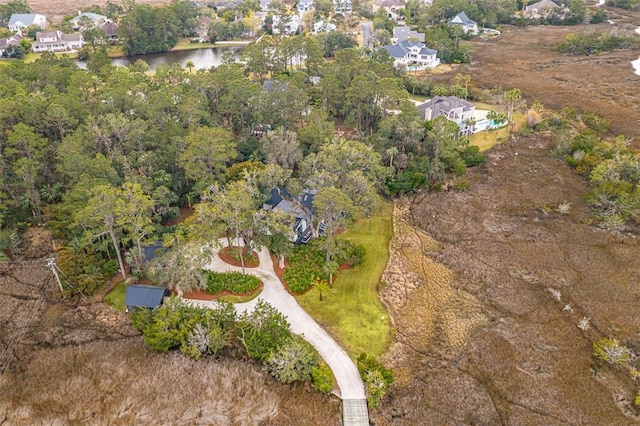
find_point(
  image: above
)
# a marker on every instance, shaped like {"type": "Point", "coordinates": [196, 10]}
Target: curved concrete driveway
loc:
{"type": "Point", "coordinates": [344, 369]}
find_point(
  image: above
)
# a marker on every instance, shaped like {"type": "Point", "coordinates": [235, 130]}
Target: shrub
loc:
{"type": "Point", "coordinates": [377, 378]}
{"type": "Point", "coordinates": [611, 351]}
{"type": "Point", "coordinates": [349, 252]}
{"type": "Point", "coordinates": [263, 330]}
{"type": "Point", "coordinates": [472, 156]}
{"type": "Point", "coordinates": [234, 282]}
{"type": "Point", "coordinates": [196, 331]}
{"type": "Point", "coordinates": [322, 377]}
{"type": "Point", "coordinates": [292, 361]}
{"type": "Point", "coordinates": [306, 264]}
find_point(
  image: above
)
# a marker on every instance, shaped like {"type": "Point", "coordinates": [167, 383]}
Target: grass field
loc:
{"type": "Point", "coordinates": [487, 140]}
{"type": "Point", "coordinates": [351, 310]}
{"type": "Point", "coordinates": [115, 298]}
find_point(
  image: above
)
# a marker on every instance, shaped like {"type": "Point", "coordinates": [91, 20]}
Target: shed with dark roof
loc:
{"type": "Point", "coordinates": [144, 296]}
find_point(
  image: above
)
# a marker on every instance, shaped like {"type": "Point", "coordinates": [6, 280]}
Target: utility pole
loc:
{"type": "Point", "coordinates": [51, 264]}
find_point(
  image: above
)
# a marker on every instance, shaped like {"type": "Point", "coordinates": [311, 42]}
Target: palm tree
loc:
{"type": "Point", "coordinates": [189, 65]}
{"type": "Point", "coordinates": [511, 97]}
{"type": "Point", "coordinates": [391, 152]}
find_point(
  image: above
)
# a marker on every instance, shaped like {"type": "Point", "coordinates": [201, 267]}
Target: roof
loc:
{"type": "Point", "coordinates": [72, 37]}
{"type": "Point", "coordinates": [110, 28]}
{"type": "Point", "coordinates": [462, 19]}
{"type": "Point", "coordinates": [543, 4]}
{"type": "Point", "coordinates": [403, 32]}
{"type": "Point", "coordinates": [151, 251]}
{"type": "Point", "coordinates": [401, 49]}
{"type": "Point", "coordinates": [144, 296]}
{"type": "Point", "coordinates": [96, 18]}
{"type": "Point", "coordinates": [24, 18]}
{"type": "Point", "coordinates": [442, 105]}
{"type": "Point", "coordinates": [391, 3]}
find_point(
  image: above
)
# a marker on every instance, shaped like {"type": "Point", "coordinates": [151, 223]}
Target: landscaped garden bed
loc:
{"type": "Point", "coordinates": [231, 255]}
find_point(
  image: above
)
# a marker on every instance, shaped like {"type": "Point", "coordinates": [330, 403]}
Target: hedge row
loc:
{"type": "Point", "coordinates": [235, 282]}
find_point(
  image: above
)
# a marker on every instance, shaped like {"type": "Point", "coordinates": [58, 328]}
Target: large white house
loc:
{"type": "Point", "coordinates": [56, 41]}
{"type": "Point", "coordinates": [412, 55]}
{"type": "Point", "coordinates": [287, 24]}
{"type": "Point", "coordinates": [20, 21]}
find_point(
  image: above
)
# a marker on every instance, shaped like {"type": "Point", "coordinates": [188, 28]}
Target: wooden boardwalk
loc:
{"type": "Point", "coordinates": [355, 412]}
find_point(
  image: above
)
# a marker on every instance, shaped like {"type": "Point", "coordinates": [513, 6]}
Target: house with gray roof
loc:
{"type": "Point", "coordinates": [403, 32]}
{"type": "Point", "coordinates": [412, 55]}
{"type": "Point", "coordinates": [20, 21]}
{"type": "Point", "coordinates": [463, 113]}
{"type": "Point", "coordinates": [301, 208]}
{"type": "Point", "coordinates": [6, 43]}
{"type": "Point", "coordinates": [467, 25]}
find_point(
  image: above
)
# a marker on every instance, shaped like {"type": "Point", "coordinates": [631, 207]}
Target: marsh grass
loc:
{"type": "Point", "coordinates": [122, 382]}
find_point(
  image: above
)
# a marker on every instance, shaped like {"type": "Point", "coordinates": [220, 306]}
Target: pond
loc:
{"type": "Point", "coordinates": [201, 58]}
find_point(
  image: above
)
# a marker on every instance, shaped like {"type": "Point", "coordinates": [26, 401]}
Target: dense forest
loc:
{"type": "Point", "coordinates": [102, 158]}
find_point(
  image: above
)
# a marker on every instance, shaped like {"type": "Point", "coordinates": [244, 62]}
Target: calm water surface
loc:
{"type": "Point", "coordinates": [201, 58]}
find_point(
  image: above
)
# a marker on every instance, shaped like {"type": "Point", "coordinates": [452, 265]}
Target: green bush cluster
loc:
{"type": "Point", "coordinates": [322, 377]}
{"type": "Point", "coordinates": [377, 378]}
{"type": "Point", "coordinates": [611, 351]}
{"type": "Point", "coordinates": [305, 266]}
{"type": "Point", "coordinates": [593, 42]}
{"type": "Point", "coordinates": [613, 169]}
{"type": "Point", "coordinates": [264, 333]}
{"type": "Point", "coordinates": [306, 263]}
{"type": "Point", "coordinates": [195, 331]}
{"type": "Point", "coordinates": [234, 282]}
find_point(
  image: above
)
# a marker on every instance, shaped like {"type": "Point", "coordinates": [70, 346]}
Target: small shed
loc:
{"type": "Point", "coordinates": [144, 296]}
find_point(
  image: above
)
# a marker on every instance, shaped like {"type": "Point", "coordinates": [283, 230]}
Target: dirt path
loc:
{"type": "Point", "coordinates": [480, 339]}
{"type": "Point", "coordinates": [344, 369]}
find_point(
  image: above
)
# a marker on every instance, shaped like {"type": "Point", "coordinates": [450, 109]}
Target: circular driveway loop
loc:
{"type": "Point", "coordinates": [274, 293]}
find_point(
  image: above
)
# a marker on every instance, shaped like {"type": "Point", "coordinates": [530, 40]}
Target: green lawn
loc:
{"type": "Point", "coordinates": [487, 140]}
{"type": "Point", "coordinates": [240, 299]}
{"type": "Point", "coordinates": [351, 311]}
{"type": "Point", "coordinates": [115, 298]}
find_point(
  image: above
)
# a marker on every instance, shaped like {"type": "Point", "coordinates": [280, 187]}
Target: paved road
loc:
{"type": "Point", "coordinates": [367, 33]}
{"type": "Point", "coordinates": [344, 369]}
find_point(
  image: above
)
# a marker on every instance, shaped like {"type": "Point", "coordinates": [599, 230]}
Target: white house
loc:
{"type": "Point", "coordinates": [304, 6]}
{"type": "Point", "coordinates": [6, 43]}
{"type": "Point", "coordinates": [323, 27]}
{"type": "Point", "coordinates": [96, 20]}
{"type": "Point", "coordinates": [19, 21]}
{"type": "Point", "coordinates": [55, 41]}
{"type": "Point", "coordinates": [540, 9]}
{"type": "Point", "coordinates": [264, 5]}
{"type": "Point", "coordinates": [342, 6]}
{"type": "Point", "coordinates": [288, 24]}
{"type": "Point", "coordinates": [468, 26]}
{"type": "Point", "coordinates": [392, 7]}
{"type": "Point", "coordinates": [413, 55]}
